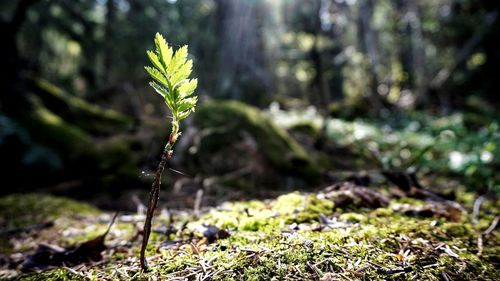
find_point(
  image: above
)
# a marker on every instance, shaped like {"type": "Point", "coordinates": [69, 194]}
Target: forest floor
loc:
{"type": "Point", "coordinates": [343, 232]}
{"type": "Point", "coordinates": [392, 227]}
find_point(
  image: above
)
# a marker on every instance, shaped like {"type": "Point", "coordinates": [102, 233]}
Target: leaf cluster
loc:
{"type": "Point", "coordinates": [170, 72]}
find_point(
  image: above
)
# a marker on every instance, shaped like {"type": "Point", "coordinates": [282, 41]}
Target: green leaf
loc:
{"type": "Point", "coordinates": [157, 75]}
{"type": "Point", "coordinates": [188, 87]}
{"type": "Point", "coordinates": [155, 61]}
{"type": "Point", "coordinates": [170, 72]}
{"type": "Point", "coordinates": [178, 60]}
{"type": "Point", "coordinates": [187, 104]}
{"type": "Point", "coordinates": [183, 115]}
{"type": "Point", "coordinates": [182, 73]}
{"type": "Point", "coordinates": [164, 93]}
{"type": "Point", "coordinates": [163, 50]}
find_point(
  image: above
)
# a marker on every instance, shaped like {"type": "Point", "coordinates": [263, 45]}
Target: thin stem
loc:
{"type": "Point", "coordinates": [154, 195]}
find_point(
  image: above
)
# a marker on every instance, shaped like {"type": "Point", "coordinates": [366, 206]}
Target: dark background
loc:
{"type": "Point", "coordinates": [78, 118]}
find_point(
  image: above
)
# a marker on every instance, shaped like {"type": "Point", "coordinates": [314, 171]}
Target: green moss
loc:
{"type": "Point", "coordinates": [79, 112]}
{"type": "Point", "coordinates": [113, 158]}
{"type": "Point", "coordinates": [354, 218]}
{"type": "Point", "coordinates": [319, 205]}
{"type": "Point", "coordinates": [290, 203]}
{"type": "Point", "coordinates": [55, 274]}
{"type": "Point", "coordinates": [373, 248]}
{"type": "Point", "coordinates": [264, 246]}
{"type": "Point", "coordinates": [18, 210]}
{"type": "Point", "coordinates": [458, 229]}
{"type": "Point", "coordinates": [231, 120]}
{"type": "Point", "coordinates": [382, 212]}
{"type": "Point", "coordinates": [50, 129]}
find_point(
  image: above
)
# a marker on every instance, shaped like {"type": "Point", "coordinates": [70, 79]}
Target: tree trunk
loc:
{"type": "Point", "coordinates": [108, 48]}
{"type": "Point", "coordinates": [442, 78]}
{"type": "Point", "coordinates": [242, 65]}
{"type": "Point", "coordinates": [368, 45]}
{"type": "Point", "coordinates": [418, 54]}
{"type": "Point", "coordinates": [319, 84]}
{"type": "Point", "coordinates": [12, 88]}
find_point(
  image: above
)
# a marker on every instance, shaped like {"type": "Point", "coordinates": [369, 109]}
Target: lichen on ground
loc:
{"type": "Point", "coordinates": [297, 236]}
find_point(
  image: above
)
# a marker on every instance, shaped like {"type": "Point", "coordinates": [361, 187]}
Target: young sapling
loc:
{"type": "Point", "coordinates": [170, 72]}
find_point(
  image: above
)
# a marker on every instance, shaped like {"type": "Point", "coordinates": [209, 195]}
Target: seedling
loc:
{"type": "Point", "coordinates": [170, 72]}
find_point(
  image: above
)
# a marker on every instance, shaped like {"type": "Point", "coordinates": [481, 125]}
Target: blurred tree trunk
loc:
{"type": "Point", "coordinates": [242, 65]}
{"type": "Point", "coordinates": [411, 48]}
{"type": "Point", "coordinates": [439, 83]}
{"type": "Point", "coordinates": [91, 48]}
{"type": "Point", "coordinates": [336, 33]}
{"type": "Point", "coordinates": [418, 53]}
{"type": "Point", "coordinates": [400, 39]}
{"type": "Point", "coordinates": [108, 47]}
{"type": "Point", "coordinates": [12, 94]}
{"type": "Point", "coordinates": [368, 45]}
{"type": "Point", "coordinates": [319, 85]}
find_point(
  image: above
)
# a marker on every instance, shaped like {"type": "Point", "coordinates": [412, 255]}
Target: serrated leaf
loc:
{"type": "Point", "coordinates": [188, 87]}
{"type": "Point", "coordinates": [175, 95]}
{"type": "Point", "coordinates": [187, 104]}
{"type": "Point", "coordinates": [155, 61]}
{"type": "Point", "coordinates": [164, 93]}
{"type": "Point", "coordinates": [164, 51]}
{"type": "Point", "coordinates": [170, 73]}
{"type": "Point", "coordinates": [183, 115]}
{"type": "Point", "coordinates": [157, 75]}
{"type": "Point", "coordinates": [159, 89]}
{"type": "Point", "coordinates": [178, 60]}
{"type": "Point", "coordinates": [182, 73]}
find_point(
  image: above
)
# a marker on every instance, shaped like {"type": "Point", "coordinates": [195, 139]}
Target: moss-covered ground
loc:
{"type": "Point", "coordinates": [342, 233]}
{"type": "Point", "coordinates": [297, 236]}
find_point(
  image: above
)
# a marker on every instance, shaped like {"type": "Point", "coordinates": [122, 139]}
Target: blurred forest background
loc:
{"type": "Point", "coordinates": [326, 87]}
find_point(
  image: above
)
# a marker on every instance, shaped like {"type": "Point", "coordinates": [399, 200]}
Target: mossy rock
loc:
{"type": "Point", "coordinates": [69, 151]}
{"type": "Point", "coordinates": [75, 110]}
{"type": "Point", "coordinates": [21, 210]}
{"type": "Point", "coordinates": [228, 123]}
{"type": "Point", "coordinates": [50, 129]}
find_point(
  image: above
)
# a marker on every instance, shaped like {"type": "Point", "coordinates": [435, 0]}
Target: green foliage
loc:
{"type": "Point", "coordinates": [170, 73]}
{"type": "Point", "coordinates": [444, 145]}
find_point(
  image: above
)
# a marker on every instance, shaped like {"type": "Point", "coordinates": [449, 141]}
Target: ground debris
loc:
{"type": "Point", "coordinates": [47, 255]}
{"type": "Point", "coordinates": [27, 229]}
{"type": "Point", "coordinates": [333, 222]}
{"type": "Point", "coordinates": [212, 232]}
{"type": "Point", "coordinates": [346, 194]}
{"type": "Point", "coordinates": [409, 186]}
{"type": "Point", "coordinates": [449, 210]}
